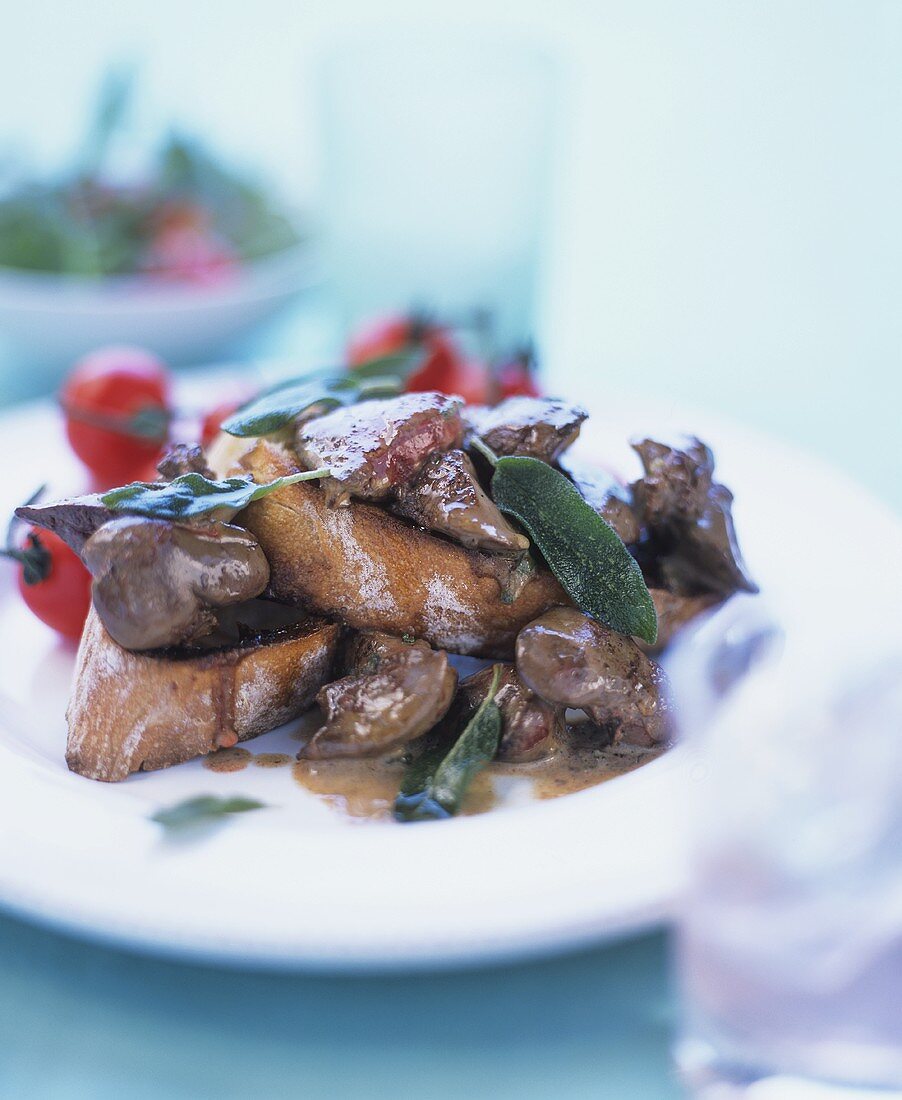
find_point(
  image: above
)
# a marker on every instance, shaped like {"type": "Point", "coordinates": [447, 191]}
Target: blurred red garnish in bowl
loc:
{"type": "Point", "coordinates": [117, 407]}
{"type": "Point", "coordinates": [53, 582]}
{"type": "Point", "coordinates": [185, 247]}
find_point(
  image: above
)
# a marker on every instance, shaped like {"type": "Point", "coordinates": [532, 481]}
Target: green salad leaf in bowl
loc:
{"type": "Point", "coordinates": [188, 216]}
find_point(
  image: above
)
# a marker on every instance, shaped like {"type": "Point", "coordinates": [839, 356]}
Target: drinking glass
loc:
{"type": "Point", "coordinates": [437, 157]}
{"type": "Point", "coordinates": [789, 945]}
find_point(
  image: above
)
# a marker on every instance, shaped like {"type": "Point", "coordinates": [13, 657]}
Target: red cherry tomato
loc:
{"type": "Point", "coordinates": [148, 473]}
{"type": "Point", "coordinates": [444, 369]}
{"type": "Point", "coordinates": [102, 400]}
{"type": "Point", "coordinates": [212, 421]}
{"type": "Point", "coordinates": [515, 379]}
{"type": "Point", "coordinates": [62, 596]}
{"type": "Point", "coordinates": [467, 379]}
{"type": "Point", "coordinates": [384, 336]}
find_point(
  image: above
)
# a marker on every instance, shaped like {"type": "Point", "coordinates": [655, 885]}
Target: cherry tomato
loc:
{"type": "Point", "coordinates": [444, 369]}
{"type": "Point", "coordinates": [516, 379]}
{"type": "Point", "coordinates": [116, 403]}
{"type": "Point", "coordinates": [212, 421]}
{"type": "Point", "coordinates": [466, 378]}
{"type": "Point", "coordinates": [384, 336]}
{"type": "Point", "coordinates": [60, 595]}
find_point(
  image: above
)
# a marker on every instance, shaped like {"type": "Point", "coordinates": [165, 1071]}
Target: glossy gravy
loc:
{"type": "Point", "coordinates": [228, 760]}
{"type": "Point", "coordinates": [272, 760]}
{"type": "Point", "coordinates": [365, 789]}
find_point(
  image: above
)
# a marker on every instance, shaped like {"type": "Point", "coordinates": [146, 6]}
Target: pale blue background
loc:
{"type": "Point", "coordinates": [726, 226]}
{"type": "Point", "coordinates": [726, 231]}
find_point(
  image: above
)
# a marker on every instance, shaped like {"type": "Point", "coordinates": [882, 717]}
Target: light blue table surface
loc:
{"type": "Point", "coordinates": [81, 1020]}
{"type": "Point", "coordinates": [84, 1021]}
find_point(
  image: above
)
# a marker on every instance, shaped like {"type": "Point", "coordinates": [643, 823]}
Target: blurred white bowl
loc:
{"type": "Point", "coordinates": [50, 320]}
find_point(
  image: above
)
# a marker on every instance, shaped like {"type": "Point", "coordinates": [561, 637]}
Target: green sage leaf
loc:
{"type": "Point", "coordinates": [582, 550]}
{"type": "Point", "coordinates": [435, 783]}
{"type": "Point", "coordinates": [399, 365]}
{"type": "Point", "coordinates": [203, 808]}
{"type": "Point", "coordinates": [311, 395]}
{"type": "Point", "coordinates": [193, 496]}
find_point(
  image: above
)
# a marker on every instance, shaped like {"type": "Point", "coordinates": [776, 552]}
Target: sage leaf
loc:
{"type": "Point", "coordinates": [582, 550]}
{"type": "Point", "coordinates": [202, 809]}
{"type": "Point", "coordinates": [313, 394]}
{"type": "Point", "coordinates": [193, 496]}
{"type": "Point", "coordinates": [435, 784]}
{"type": "Point", "coordinates": [398, 365]}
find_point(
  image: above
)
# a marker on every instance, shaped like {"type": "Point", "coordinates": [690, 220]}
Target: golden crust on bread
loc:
{"type": "Point", "coordinates": [140, 711]}
{"type": "Point", "coordinates": [373, 571]}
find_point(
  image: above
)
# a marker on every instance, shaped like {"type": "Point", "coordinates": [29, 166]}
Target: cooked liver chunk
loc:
{"type": "Point", "coordinates": [539, 427]}
{"type": "Point", "coordinates": [183, 458]}
{"type": "Point", "coordinates": [374, 446]}
{"type": "Point", "coordinates": [157, 584]}
{"type": "Point", "coordinates": [396, 693]}
{"type": "Point", "coordinates": [530, 726]}
{"type": "Point", "coordinates": [571, 660]}
{"type": "Point", "coordinates": [446, 496]}
{"type": "Point", "coordinates": [677, 479]}
{"type": "Point", "coordinates": [674, 612]}
{"type": "Point", "coordinates": [610, 499]}
{"type": "Point", "coordinates": [688, 520]}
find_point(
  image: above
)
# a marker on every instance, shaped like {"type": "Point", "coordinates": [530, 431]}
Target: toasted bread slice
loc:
{"type": "Point", "coordinates": [140, 711]}
{"type": "Point", "coordinates": [373, 571]}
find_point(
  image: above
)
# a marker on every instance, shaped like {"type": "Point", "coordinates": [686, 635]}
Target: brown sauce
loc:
{"type": "Point", "coordinates": [574, 767]}
{"type": "Point", "coordinates": [359, 788]}
{"type": "Point", "coordinates": [227, 760]}
{"type": "Point", "coordinates": [365, 790]}
{"type": "Point", "coordinates": [272, 760]}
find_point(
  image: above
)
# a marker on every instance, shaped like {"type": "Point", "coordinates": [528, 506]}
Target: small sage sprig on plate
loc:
{"type": "Point", "coordinates": [583, 551]}
{"type": "Point", "coordinates": [203, 809]}
{"type": "Point", "coordinates": [436, 782]}
{"type": "Point", "coordinates": [193, 496]}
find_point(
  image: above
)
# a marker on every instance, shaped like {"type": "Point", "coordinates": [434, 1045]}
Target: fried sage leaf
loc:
{"type": "Point", "coordinates": [311, 395]}
{"type": "Point", "coordinates": [399, 365]}
{"type": "Point", "coordinates": [193, 496]}
{"type": "Point", "coordinates": [203, 808]}
{"type": "Point", "coordinates": [435, 784]}
{"type": "Point", "coordinates": [583, 551]}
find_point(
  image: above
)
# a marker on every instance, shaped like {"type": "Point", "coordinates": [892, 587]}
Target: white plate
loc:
{"type": "Point", "coordinates": [296, 885]}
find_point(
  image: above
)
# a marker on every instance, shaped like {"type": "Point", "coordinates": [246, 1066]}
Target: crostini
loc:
{"type": "Point", "coordinates": [138, 711]}
{"type": "Point", "coordinates": [339, 540]}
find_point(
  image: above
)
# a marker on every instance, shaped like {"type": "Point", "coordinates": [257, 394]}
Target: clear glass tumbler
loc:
{"type": "Point", "coordinates": [789, 945]}
{"type": "Point", "coordinates": [437, 161]}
